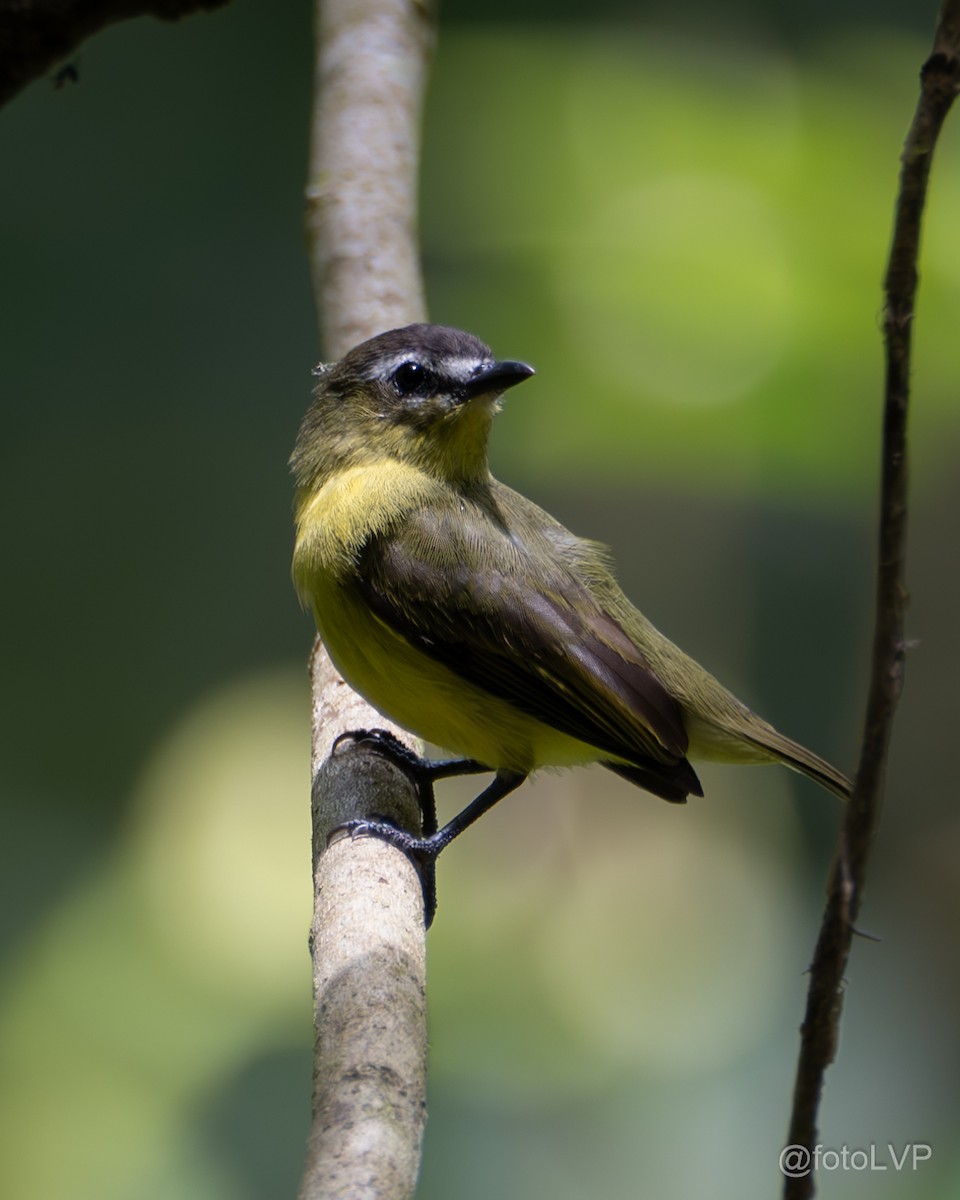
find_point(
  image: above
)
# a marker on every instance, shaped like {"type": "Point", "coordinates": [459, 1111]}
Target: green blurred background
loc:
{"type": "Point", "coordinates": [682, 221]}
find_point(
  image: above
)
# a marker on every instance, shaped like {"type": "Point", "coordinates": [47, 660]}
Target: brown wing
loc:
{"type": "Point", "coordinates": [529, 632]}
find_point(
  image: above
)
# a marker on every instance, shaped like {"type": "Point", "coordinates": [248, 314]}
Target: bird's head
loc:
{"type": "Point", "coordinates": [423, 394]}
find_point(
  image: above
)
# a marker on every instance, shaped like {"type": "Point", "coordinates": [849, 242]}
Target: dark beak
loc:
{"type": "Point", "coordinates": [496, 378]}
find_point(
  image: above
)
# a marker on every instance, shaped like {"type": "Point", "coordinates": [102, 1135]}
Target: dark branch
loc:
{"type": "Point", "coordinates": [37, 35]}
{"type": "Point", "coordinates": [939, 84]}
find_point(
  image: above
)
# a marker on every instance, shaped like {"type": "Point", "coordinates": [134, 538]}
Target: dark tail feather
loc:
{"type": "Point", "coordinates": [673, 783]}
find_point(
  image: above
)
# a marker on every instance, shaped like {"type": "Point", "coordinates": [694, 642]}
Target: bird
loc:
{"type": "Point", "coordinates": [468, 615]}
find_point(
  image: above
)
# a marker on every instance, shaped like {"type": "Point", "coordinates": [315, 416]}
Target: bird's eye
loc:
{"type": "Point", "coordinates": [410, 377]}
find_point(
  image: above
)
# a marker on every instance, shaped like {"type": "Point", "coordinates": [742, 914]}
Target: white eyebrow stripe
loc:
{"type": "Point", "coordinates": [464, 368]}
{"type": "Point", "coordinates": [456, 368]}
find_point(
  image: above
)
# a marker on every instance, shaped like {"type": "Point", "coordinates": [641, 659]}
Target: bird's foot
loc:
{"type": "Point", "coordinates": [385, 743]}
{"type": "Point", "coordinates": [424, 848]}
{"type": "Point", "coordinates": [422, 772]}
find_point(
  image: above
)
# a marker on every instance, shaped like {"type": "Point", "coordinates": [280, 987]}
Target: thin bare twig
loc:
{"type": "Point", "coordinates": [368, 931]}
{"type": "Point", "coordinates": [939, 84]}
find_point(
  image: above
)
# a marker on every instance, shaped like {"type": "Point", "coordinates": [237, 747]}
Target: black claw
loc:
{"type": "Point", "coordinates": [422, 850]}
{"type": "Point", "coordinates": [418, 769]}
{"type": "Point", "coordinates": [383, 827]}
{"type": "Point", "coordinates": [385, 743]}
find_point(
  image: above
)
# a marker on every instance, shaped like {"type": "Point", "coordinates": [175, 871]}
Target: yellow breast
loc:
{"type": "Point", "coordinates": [402, 682]}
{"type": "Point", "coordinates": [356, 504]}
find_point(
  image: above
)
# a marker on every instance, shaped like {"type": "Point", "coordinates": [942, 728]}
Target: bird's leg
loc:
{"type": "Point", "coordinates": [422, 771]}
{"type": "Point", "coordinates": [425, 849]}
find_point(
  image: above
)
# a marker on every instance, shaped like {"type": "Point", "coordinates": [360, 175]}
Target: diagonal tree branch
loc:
{"type": "Point", "coordinates": [939, 84]}
{"type": "Point", "coordinates": [36, 35]}
{"type": "Point", "coordinates": [367, 934]}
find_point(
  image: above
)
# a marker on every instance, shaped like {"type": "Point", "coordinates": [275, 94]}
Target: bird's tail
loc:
{"type": "Point", "coordinates": [741, 736]}
{"type": "Point", "coordinates": [799, 758]}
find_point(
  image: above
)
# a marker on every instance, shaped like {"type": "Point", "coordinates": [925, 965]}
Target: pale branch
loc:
{"type": "Point", "coordinates": [38, 35]}
{"type": "Point", "coordinates": [372, 59]}
{"type": "Point", "coordinates": [368, 926]}
{"type": "Point", "coordinates": [368, 950]}
{"type": "Point", "coordinates": [939, 84]}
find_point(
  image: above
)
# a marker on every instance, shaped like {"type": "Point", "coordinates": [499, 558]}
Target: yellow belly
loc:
{"type": "Point", "coordinates": [427, 698]}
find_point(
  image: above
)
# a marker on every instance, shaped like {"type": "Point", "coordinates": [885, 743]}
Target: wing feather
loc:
{"type": "Point", "coordinates": [527, 629]}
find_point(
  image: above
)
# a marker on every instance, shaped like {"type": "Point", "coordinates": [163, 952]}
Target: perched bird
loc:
{"type": "Point", "coordinates": [467, 614]}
